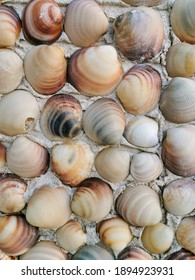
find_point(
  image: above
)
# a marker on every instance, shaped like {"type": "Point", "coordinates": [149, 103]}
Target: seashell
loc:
{"type": "Point", "coordinates": [44, 250]}
{"type": "Point", "coordinates": [72, 162]}
{"type": "Point", "coordinates": [42, 21]}
{"type": "Point", "coordinates": [140, 89]}
{"type": "Point", "coordinates": [45, 68]}
{"type": "Point", "coordinates": [148, 3]}
{"type": "Point", "coordinates": [11, 71]}
{"type": "Point", "coordinates": [133, 41]}
{"type": "Point", "coordinates": [19, 112]}
{"type": "Point", "coordinates": [16, 235]}
{"type": "Point", "coordinates": [95, 71]}
{"type": "Point", "coordinates": [12, 191]}
{"type": "Point", "coordinates": [85, 22]}
{"type": "Point", "coordinates": [61, 117]}
{"type": "Point", "coordinates": [113, 164]}
{"type": "Point", "coordinates": [179, 197]}
{"type": "Point", "coordinates": [2, 155]}
{"type": "Point", "coordinates": [182, 254]}
{"type": "Point", "coordinates": [115, 233]}
{"type": "Point", "coordinates": [4, 257]}
{"type": "Point", "coordinates": [48, 207]}
{"type": "Point", "coordinates": [10, 26]}
{"type": "Point", "coordinates": [71, 236]}
{"type": "Point", "coordinates": [104, 122]}
{"type": "Point", "coordinates": [185, 233]}
{"type": "Point", "coordinates": [134, 253]}
{"type": "Point", "coordinates": [27, 158]}
{"type": "Point", "coordinates": [146, 167]}
{"type": "Point", "coordinates": [92, 252]}
{"type": "Point", "coordinates": [92, 200]}
{"type": "Point", "coordinates": [177, 148]}
{"type": "Point", "coordinates": [139, 206]}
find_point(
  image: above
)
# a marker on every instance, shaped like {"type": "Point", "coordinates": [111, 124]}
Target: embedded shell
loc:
{"type": "Point", "coordinates": [185, 233]}
{"type": "Point", "coordinates": [182, 254]}
{"type": "Point", "coordinates": [92, 252]}
{"type": "Point", "coordinates": [2, 155]}
{"type": "Point", "coordinates": [134, 253]}
{"type": "Point", "coordinates": [148, 3]}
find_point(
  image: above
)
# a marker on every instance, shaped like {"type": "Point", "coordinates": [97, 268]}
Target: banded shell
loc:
{"type": "Point", "coordinates": [139, 206]}
{"type": "Point", "coordinates": [16, 235]}
{"type": "Point", "coordinates": [71, 236]}
{"type": "Point", "coordinates": [134, 253]}
{"type": "Point", "coordinates": [139, 90]}
{"type": "Point", "coordinates": [2, 155]}
{"type": "Point", "coordinates": [61, 117]}
{"type": "Point", "coordinates": [10, 26]}
{"type": "Point", "coordinates": [92, 200]}
{"type": "Point", "coordinates": [45, 68]}
{"type": "Point", "coordinates": [19, 112]}
{"type": "Point", "coordinates": [185, 233]}
{"type": "Point", "coordinates": [95, 71]}
{"type": "Point", "coordinates": [148, 3]}
{"type": "Point", "coordinates": [48, 207]}
{"type": "Point", "coordinates": [27, 158]}
{"type": "Point", "coordinates": [134, 41]}
{"type": "Point", "coordinates": [182, 254]}
{"type": "Point", "coordinates": [72, 162]}
{"type": "Point", "coordinates": [92, 252]}
{"type": "Point", "coordinates": [85, 22]}
{"type": "Point", "coordinates": [11, 71]}
{"type": "Point", "coordinates": [42, 21]}
{"type": "Point", "coordinates": [104, 122]}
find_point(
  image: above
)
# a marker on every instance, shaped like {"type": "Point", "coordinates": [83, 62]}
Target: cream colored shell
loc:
{"type": "Point", "coordinates": [185, 233]}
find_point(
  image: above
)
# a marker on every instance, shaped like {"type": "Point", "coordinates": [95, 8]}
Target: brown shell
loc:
{"type": "Point", "coordinates": [134, 253]}
{"type": "Point", "coordinates": [182, 254]}
{"type": "Point", "coordinates": [2, 155]}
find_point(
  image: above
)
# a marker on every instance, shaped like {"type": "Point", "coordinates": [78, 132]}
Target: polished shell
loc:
{"type": "Point", "coordinates": [134, 253]}
{"type": "Point", "coordinates": [92, 252]}
{"type": "Point", "coordinates": [148, 3]}
{"type": "Point", "coordinates": [185, 233]}
{"type": "Point", "coordinates": [2, 155]}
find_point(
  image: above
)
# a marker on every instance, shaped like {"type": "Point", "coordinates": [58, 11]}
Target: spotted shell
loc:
{"type": "Point", "coordinates": [92, 252]}
{"type": "Point", "coordinates": [134, 253]}
{"type": "Point", "coordinates": [2, 155]}
{"type": "Point", "coordinates": [148, 3]}
{"type": "Point", "coordinates": [182, 254]}
{"type": "Point", "coordinates": [185, 233]}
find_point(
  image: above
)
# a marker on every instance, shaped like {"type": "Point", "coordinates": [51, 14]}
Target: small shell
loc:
{"type": "Point", "coordinates": [182, 254]}
{"type": "Point", "coordinates": [134, 253]}
{"type": "Point", "coordinates": [148, 3]}
{"type": "Point", "coordinates": [42, 21]}
{"type": "Point", "coordinates": [139, 206]}
{"type": "Point", "coordinates": [4, 257]}
{"type": "Point", "coordinates": [139, 90]}
{"type": "Point", "coordinates": [134, 41]}
{"type": "Point", "coordinates": [27, 158]}
{"type": "Point", "coordinates": [19, 112]}
{"type": "Point", "coordinates": [95, 71]}
{"type": "Point", "coordinates": [185, 233]}
{"type": "Point", "coordinates": [71, 236]}
{"type": "Point", "coordinates": [104, 122]}
{"type": "Point", "coordinates": [45, 68]}
{"type": "Point", "coordinates": [92, 200]}
{"type": "Point", "coordinates": [16, 235]}
{"type": "Point", "coordinates": [2, 155]}
{"type": "Point", "coordinates": [85, 22]}
{"type": "Point", "coordinates": [72, 162]}
{"type": "Point", "coordinates": [61, 117]}
{"type": "Point", "coordinates": [92, 252]}
{"type": "Point", "coordinates": [48, 207]}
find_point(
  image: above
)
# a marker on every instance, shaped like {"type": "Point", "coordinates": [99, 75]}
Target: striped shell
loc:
{"type": "Point", "coordinates": [182, 254]}
{"type": "Point", "coordinates": [185, 233]}
{"type": "Point", "coordinates": [134, 253]}
{"type": "Point", "coordinates": [92, 252]}
{"type": "Point", "coordinates": [148, 3]}
{"type": "Point", "coordinates": [2, 155]}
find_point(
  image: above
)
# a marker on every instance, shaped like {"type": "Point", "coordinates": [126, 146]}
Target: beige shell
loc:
{"type": "Point", "coordinates": [148, 3]}
{"type": "Point", "coordinates": [185, 233]}
{"type": "Point", "coordinates": [2, 155]}
{"type": "Point", "coordinates": [11, 71]}
{"type": "Point", "coordinates": [134, 253]}
{"type": "Point", "coordinates": [139, 90]}
{"type": "Point", "coordinates": [19, 112]}
{"type": "Point", "coordinates": [85, 22]}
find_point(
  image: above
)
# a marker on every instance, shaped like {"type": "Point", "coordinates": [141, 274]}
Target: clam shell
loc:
{"type": "Point", "coordinates": [92, 200]}
{"type": "Point", "coordinates": [92, 252]}
{"type": "Point", "coordinates": [139, 90]}
{"type": "Point", "coordinates": [2, 155]}
{"type": "Point", "coordinates": [182, 254]}
{"type": "Point", "coordinates": [185, 233]}
{"type": "Point", "coordinates": [95, 71]}
{"type": "Point", "coordinates": [104, 122]}
{"type": "Point", "coordinates": [85, 22]}
{"type": "Point", "coordinates": [4, 257]}
{"type": "Point", "coordinates": [134, 253]}
{"type": "Point", "coordinates": [148, 3]}
{"type": "Point", "coordinates": [19, 112]}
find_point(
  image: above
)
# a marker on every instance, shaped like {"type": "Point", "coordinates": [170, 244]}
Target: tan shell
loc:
{"type": "Point", "coordinates": [148, 3]}
{"type": "Point", "coordinates": [2, 155]}
{"type": "Point", "coordinates": [185, 233]}
{"type": "Point", "coordinates": [134, 253]}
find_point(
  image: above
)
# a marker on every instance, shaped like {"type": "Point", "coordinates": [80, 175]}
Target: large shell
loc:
{"type": "Point", "coordinates": [182, 254]}
{"type": "Point", "coordinates": [92, 252]}
{"type": "Point", "coordinates": [85, 22]}
{"type": "Point", "coordinates": [95, 71]}
{"type": "Point", "coordinates": [61, 117]}
{"type": "Point", "coordinates": [148, 3]}
{"type": "Point", "coordinates": [104, 122]}
{"type": "Point", "coordinates": [139, 206]}
{"type": "Point", "coordinates": [2, 155]}
{"type": "Point", "coordinates": [92, 200]}
{"type": "Point", "coordinates": [134, 253]}
{"type": "Point", "coordinates": [139, 90]}
{"type": "Point", "coordinates": [134, 41]}
{"type": "Point", "coordinates": [185, 233]}
{"type": "Point", "coordinates": [19, 112]}
{"type": "Point", "coordinates": [42, 21]}
{"type": "Point", "coordinates": [27, 158]}
{"type": "Point", "coordinates": [45, 68]}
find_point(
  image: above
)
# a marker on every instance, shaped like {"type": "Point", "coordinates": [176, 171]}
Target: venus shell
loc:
{"type": "Point", "coordinates": [134, 253]}
{"type": "Point", "coordinates": [92, 252]}
{"type": "Point", "coordinates": [185, 233]}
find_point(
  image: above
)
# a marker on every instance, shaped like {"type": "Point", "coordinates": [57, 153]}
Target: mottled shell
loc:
{"type": "Point", "coordinates": [48, 207]}
{"type": "Point", "coordinates": [27, 158]}
{"type": "Point", "coordinates": [42, 21]}
{"type": "Point", "coordinates": [182, 254]}
{"type": "Point", "coordinates": [185, 233]}
{"type": "Point", "coordinates": [72, 162]}
{"type": "Point", "coordinates": [139, 90]}
{"type": "Point", "coordinates": [61, 117]}
{"type": "Point", "coordinates": [85, 22]}
{"type": "Point", "coordinates": [134, 253]}
{"type": "Point", "coordinates": [95, 71]}
{"type": "Point", "coordinates": [2, 155]}
{"type": "Point", "coordinates": [92, 252]}
{"type": "Point", "coordinates": [104, 122]}
{"type": "Point", "coordinates": [19, 112]}
{"type": "Point", "coordinates": [45, 68]}
{"type": "Point", "coordinates": [16, 235]}
{"type": "Point", "coordinates": [148, 3]}
{"type": "Point", "coordinates": [92, 200]}
{"type": "Point", "coordinates": [71, 236]}
{"type": "Point", "coordinates": [134, 41]}
{"type": "Point", "coordinates": [11, 71]}
{"type": "Point", "coordinates": [139, 206]}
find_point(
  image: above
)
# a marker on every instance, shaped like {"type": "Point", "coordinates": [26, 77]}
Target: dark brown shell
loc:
{"type": "Point", "coordinates": [134, 253]}
{"type": "Point", "coordinates": [181, 255]}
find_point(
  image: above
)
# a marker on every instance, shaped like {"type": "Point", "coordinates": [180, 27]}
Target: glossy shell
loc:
{"type": "Point", "coordinates": [148, 3]}
{"type": "Point", "coordinates": [185, 233]}
{"type": "Point", "coordinates": [92, 252]}
{"type": "Point", "coordinates": [134, 253]}
{"type": "Point", "coordinates": [182, 254]}
{"type": "Point", "coordinates": [2, 155]}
